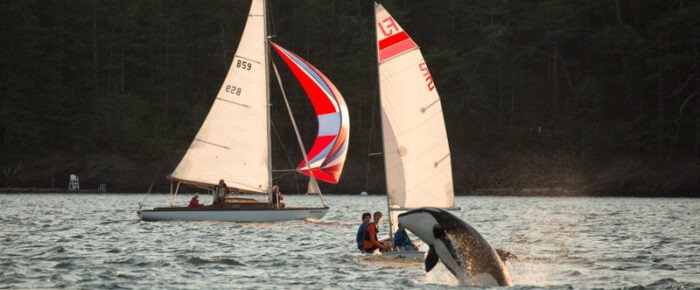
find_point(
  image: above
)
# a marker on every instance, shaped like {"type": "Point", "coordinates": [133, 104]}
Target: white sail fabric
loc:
{"type": "Point", "coordinates": [416, 153]}
{"type": "Point", "coordinates": [232, 143]}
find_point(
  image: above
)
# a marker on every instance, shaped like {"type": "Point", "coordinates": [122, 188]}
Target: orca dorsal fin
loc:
{"type": "Point", "coordinates": [431, 260]}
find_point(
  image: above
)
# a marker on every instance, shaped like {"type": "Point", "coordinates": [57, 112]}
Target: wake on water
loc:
{"type": "Point", "coordinates": [336, 224]}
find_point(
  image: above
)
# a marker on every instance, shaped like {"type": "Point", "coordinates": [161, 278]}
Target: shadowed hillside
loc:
{"type": "Point", "coordinates": [592, 97]}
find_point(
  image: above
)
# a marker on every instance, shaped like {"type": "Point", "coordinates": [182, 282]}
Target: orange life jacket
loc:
{"type": "Point", "coordinates": [370, 239]}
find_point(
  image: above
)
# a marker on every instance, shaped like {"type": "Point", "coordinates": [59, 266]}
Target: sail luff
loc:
{"type": "Point", "coordinates": [381, 120]}
{"type": "Point", "coordinates": [267, 100]}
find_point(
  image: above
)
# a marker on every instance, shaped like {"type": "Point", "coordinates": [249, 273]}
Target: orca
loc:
{"type": "Point", "coordinates": [459, 246]}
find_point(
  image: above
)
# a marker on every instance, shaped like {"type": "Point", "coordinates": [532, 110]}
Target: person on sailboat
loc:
{"type": "Point", "coordinates": [402, 241]}
{"type": "Point", "coordinates": [220, 192]}
{"type": "Point", "coordinates": [361, 231]}
{"type": "Point", "coordinates": [194, 202]}
{"type": "Point", "coordinates": [370, 240]}
{"type": "Point", "coordinates": [277, 197]}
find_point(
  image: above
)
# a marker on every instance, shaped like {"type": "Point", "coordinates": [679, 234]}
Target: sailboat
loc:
{"type": "Point", "coordinates": [234, 143]}
{"type": "Point", "coordinates": [416, 152]}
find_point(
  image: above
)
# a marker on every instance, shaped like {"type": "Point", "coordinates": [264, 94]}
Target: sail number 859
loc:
{"type": "Point", "coordinates": [242, 64]}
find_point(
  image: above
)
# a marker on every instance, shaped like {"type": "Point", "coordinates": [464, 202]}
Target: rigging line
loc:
{"type": "Point", "coordinates": [296, 129]}
{"type": "Point", "coordinates": [284, 175]}
{"type": "Point", "coordinates": [371, 134]}
{"type": "Point", "coordinates": [286, 153]}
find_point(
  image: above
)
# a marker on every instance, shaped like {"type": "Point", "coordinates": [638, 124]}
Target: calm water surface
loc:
{"type": "Point", "coordinates": [97, 241]}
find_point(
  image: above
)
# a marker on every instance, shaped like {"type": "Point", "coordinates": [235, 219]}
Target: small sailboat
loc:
{"type": "Point", "coordinates": [416, 153]}
{"type": "Point", "coordinates": [234, 142]}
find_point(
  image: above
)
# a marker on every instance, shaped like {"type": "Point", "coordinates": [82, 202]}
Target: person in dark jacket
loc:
{"type": "Point", "coordinates": [220, 192]}
{"type": "Point", "coordinates": [277, 197]}
{"type": "Point", "coordinates": [361, 231]}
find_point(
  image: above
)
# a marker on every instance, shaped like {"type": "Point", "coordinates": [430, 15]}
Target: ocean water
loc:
{"type": "Point", "coordinates": [96, 241]}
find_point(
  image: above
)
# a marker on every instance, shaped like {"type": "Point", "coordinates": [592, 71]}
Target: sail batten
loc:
{"type": "Point", "coordinates": [326, 157]}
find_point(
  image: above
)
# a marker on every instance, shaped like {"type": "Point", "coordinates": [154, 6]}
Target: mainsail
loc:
{"type": "Point", "coordinates": [327, 155]}
{"type": "Point", "coordinates": [416, 153]}
{"type": "Point", "coordinates": [232, 143]}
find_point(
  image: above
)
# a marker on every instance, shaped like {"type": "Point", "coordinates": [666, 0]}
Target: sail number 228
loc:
{"type": "Point", "coordinates": [233, 90]}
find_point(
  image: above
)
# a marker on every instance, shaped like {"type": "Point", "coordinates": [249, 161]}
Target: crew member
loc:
{"type": "Point", "coordinates": [194, 202]}
{"type": "Point", "coordinates": [220, 192]}
{"type": "Point", "coordinates": [277, 197]}
{"type": "Point", "coordinates": [370, 241]}
{"type": "Point", "coordinates": [366, 217]}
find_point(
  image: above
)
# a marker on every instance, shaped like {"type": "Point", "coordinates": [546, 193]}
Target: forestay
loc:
{"type": "Point", "coordinates": [416, 152]}
{"type": "Point", "coordinates": [232, 142]}
{"type": "Point", "coordinates": [327, 155]}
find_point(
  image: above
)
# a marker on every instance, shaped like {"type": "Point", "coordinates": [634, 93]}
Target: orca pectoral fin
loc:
{"type": "Point", "coordinates": [438, 231]}
{"type": "Point", "coordinates": [431, 260]}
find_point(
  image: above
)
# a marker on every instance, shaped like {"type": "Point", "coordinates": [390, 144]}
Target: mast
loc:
{"type": "Point", "coordinates": [381, 120]}
{"type": "Point", "coordinates": [267, 98]}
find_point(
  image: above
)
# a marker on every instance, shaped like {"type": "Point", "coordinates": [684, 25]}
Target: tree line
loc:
{"type": "Point", "coordinates": [535, 93]}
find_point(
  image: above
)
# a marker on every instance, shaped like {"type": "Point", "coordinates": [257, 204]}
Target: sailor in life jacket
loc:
{"type": "Point", "coordinates": [220, 192]}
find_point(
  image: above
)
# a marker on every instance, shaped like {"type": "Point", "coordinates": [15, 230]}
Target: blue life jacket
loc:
{"type": "Point", "coordinates": [360, 235]}
{"type": "Point", "coordinates": [401, 238]}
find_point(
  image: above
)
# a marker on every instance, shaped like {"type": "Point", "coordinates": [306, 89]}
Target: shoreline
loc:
{"type": "Point", "coordinates": [48, 190]}
{"type": "Point", "coordinates": [506, 192]}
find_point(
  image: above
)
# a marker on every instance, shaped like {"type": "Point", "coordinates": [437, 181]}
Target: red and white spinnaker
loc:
{"type": "Point", "coordinates": [327, 155]}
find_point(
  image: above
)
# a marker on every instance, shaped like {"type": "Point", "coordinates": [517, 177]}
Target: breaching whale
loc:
{"type": "Point", "coordinates": [459, 246]}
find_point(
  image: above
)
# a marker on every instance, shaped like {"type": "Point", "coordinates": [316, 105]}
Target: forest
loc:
{"type": "Point", "coordinates": [576, 97]}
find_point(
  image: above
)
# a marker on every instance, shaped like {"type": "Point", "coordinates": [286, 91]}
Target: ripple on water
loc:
{"type": "Point", "coordinates": [667, 283]}
{"type": "Point", "coordinates": [664, 267]}
{"type": "Point", "coordinates": [562, 243]}
{"type": "Point", "coordinates": [63, 265]}
{"type": "Point", "coordinates": [129, 261]}
{"type": "Point", "coordinates": [198, 261]}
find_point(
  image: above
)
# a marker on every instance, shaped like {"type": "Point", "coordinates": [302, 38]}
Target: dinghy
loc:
{"type": "Point", "coordinates": [416, 153]}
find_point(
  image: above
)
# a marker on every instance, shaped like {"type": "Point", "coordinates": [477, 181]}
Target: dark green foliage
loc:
{"type": "Point", "coordinates": [534, 92]}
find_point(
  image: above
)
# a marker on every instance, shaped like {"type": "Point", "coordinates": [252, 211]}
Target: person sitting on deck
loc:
{"type": "Point", "coordinates": [277, 197]}
{"type": "Point", "coordinates": [361, 231]}
{"type": "Point", "coordinates": [220, 192]}
{"type": "Point", "coordinates": [195, 201]}
{"type": "Point", "coordinates": [402, 241]}
{"type": "Point", "coordinates": [370, 239]}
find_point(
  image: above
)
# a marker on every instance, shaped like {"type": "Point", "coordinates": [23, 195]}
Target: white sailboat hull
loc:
{"type": "Point", "coordinates": [265, 215]}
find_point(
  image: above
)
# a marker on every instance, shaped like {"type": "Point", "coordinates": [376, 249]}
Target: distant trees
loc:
{"type": "Point", "coordinates": [584, 79]}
